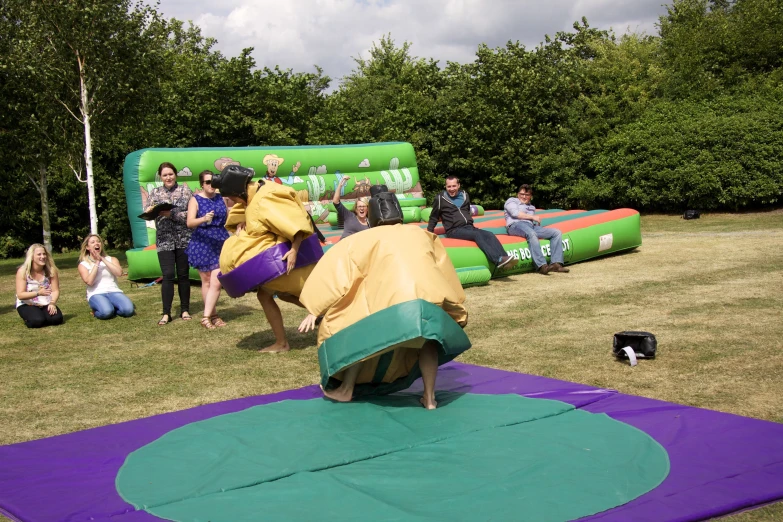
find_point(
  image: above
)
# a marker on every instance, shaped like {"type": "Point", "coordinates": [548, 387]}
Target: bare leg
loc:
{"type": "Point", "coordinates": [275, 318]}
{"type": "Point", "coordinates": [344, 392]}
{"type": "Point", "coordinates": [213, 293]}
{"type": "Point", "coordinates": [204, 289]}
{"type": "Point", "coordinates": [428, 363]}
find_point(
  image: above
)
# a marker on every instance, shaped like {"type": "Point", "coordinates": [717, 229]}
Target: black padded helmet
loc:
{"type": "Point", "coordinates": [384, 208]}
{"type": "Point", "coordinates": [233, 181]}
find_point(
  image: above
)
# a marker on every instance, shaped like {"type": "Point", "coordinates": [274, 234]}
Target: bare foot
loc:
{"type": "Point", "coordinates": [429, 404]}
{"type": "Point", "coordinates": [276, 348]}
{"type": "Point", "coordinates": [339, 394]}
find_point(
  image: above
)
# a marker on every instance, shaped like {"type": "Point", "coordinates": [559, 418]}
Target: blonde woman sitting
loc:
{"type": "Point", "coordinates": [100, 272]}
{"type": "Point", "coordinates": [38, 288]}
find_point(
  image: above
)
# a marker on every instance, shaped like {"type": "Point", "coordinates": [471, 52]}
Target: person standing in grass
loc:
{"type": "Point", "coordinates": [452, 207]}
{"type": "Point", "coordinates": [171, 239]}
{"type": "Point", "coordinates": [38, 288]}
{"type": "Point", "coordinates": [100, 272]}
{"type": "Point", "coordinates": [522, 221]}
{"type": "Point", "coordinates": [207, 218]}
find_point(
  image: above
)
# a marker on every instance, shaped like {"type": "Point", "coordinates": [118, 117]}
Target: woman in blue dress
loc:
{"type": "Point", "coordinates": [207, 216]}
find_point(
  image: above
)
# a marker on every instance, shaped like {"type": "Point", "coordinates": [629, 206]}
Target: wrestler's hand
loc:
{"type": "Point", "coordinates": [308, 324]}
{"type": "Point", "coordinates": [290, 256]}
{"type": "Point", "coordinates": [240, 227]}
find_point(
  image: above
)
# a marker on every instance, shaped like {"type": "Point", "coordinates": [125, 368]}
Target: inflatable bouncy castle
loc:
{"type": "Point", "coordinates": [314, 172]}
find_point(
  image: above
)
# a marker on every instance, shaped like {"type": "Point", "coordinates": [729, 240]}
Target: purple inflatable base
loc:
{"type": "Point", "coordinates": [720, 463]}
{"type": "Point", "coordinates": [268, 265]}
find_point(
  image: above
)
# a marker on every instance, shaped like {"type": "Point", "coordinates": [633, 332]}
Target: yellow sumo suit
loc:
{"type": "Point", "coordinates": [273, 215]}
{"type": "Point", "coordinates": [382, 293]}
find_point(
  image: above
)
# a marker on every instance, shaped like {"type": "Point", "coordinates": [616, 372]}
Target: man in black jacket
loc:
{"type": "Point", "coordinates": [452, 207]}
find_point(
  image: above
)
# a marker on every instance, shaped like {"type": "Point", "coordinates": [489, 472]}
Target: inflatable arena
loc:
{"type": "Point", "coordinates": [315, 173]}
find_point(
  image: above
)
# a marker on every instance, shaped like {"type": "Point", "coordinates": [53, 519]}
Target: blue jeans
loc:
{"type": "Point", "coordinates": [107, 305]}
{"type": "Point", "coordinates": [486, 241]}
{"type": "Point", "coordinates": [532, 233]}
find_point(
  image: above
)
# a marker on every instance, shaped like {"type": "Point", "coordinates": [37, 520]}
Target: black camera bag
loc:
{"type": "Point", "coordinates": [643, 344]}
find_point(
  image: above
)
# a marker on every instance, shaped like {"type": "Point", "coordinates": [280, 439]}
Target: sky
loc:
{"type": "Point", "coordinates": [299, 34]}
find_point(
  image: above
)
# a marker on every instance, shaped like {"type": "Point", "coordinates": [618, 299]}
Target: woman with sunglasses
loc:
{"type": "Point", "coordinates": [207, 217]}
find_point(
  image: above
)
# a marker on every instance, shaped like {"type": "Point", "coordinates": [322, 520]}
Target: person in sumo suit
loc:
{"type": "Point", "coordinates": [265, 215]}
{"type": "Point", "coordinates": [391, 305]}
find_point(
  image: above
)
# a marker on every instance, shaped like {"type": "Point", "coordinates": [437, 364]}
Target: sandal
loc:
{"type": "Point", "coordinates": [217, 321]}
{"type": "Point", "coordinates": [164, 320]}
{"type": "Point", "coordinates": [206, 323]}
{"type": "Point", "coordinates": [186, 316]}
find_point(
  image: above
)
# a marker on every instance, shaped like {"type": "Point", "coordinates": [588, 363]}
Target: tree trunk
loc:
{"type": "Point", "coordinates": [85, 110]}
{"type": "Point", "coordinates": [44, 191]}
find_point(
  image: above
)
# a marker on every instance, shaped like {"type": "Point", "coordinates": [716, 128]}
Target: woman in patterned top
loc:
{"type": "Point", "coordinates": [38, 288]}
{"type": "Point", "coordinates": [171, 240]}
{"type": "Point", "coordinates": [207, 217]}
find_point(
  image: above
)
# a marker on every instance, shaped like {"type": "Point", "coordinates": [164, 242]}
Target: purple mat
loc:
{"type": "Point", "coordinates": [269, 264]}
{"type": "Point", "coordinates": [720, 463]}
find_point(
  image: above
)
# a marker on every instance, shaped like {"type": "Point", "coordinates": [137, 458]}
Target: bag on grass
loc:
{"type": "Point", "coordinates": [691, 214]}
{"type": "Point", "coordinates": [634, 345]}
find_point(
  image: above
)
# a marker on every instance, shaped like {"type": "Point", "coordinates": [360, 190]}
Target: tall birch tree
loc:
{"type": "Point", "coordinates": [97, 61]}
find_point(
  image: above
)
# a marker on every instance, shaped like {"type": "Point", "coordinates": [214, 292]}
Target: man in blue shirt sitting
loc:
{"type": "Point", "coordinates": [452, 207]}
{"type": "Point", "coordinates": [521, 220]}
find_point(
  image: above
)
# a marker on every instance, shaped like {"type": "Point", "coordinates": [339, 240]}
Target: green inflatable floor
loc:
{"type": "Point", "coordinates": [477, 457]}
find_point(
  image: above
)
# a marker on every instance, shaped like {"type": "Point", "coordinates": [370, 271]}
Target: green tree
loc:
{"type": "Point", "coordinates": [501, 113]}
{"type": "Point", "coordinates": [723, 153]}
{"type": "Point", "coordinates": [708, 46]}
{"type": "Point", "coordinates": [390, 96]}
{"type": "Point", "coordinates": [96, 59]}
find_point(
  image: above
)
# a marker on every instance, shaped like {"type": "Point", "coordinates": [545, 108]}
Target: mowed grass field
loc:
{"type": "Point", "coordinates": [711, 290]}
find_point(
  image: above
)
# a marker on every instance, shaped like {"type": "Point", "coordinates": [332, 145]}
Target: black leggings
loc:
{"type": "Point", "coordinates": [167, 261]}
{"type": "Point", "coordinates": [38, 317]}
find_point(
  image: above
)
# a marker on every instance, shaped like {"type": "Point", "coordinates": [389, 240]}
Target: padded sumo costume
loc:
{"type": "Point", "coordinates": [382, 293]}
{"type": "Point", "coordinates": [273, 216]}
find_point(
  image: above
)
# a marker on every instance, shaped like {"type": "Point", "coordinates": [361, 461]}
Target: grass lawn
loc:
{"type": "Point", "coordinates": [710, 289]}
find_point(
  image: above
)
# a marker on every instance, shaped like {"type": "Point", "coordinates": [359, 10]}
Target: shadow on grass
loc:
{"type": "Point", "coordinates": [7, 309]}
{"type": "Point", "coordinates": [265, 337]}
{"type": "Point", "coordinates": [231, 313]}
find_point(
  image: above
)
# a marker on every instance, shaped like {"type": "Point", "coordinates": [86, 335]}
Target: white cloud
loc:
{"type": "Point", "coordinates": [299, 34]}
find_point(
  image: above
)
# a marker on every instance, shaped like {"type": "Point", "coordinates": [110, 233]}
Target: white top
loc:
{"type": "Point", "coordinates": [33, 286]}
{"type": "Point", "coordinates": [104, 282]}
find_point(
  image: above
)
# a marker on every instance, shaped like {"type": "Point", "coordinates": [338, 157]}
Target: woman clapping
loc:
{"type": "Point", "coordinates": [100, 272]}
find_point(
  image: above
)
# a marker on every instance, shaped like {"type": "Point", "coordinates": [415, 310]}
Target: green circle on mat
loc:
{"type": "Point", "coordinates": [487, 457]}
